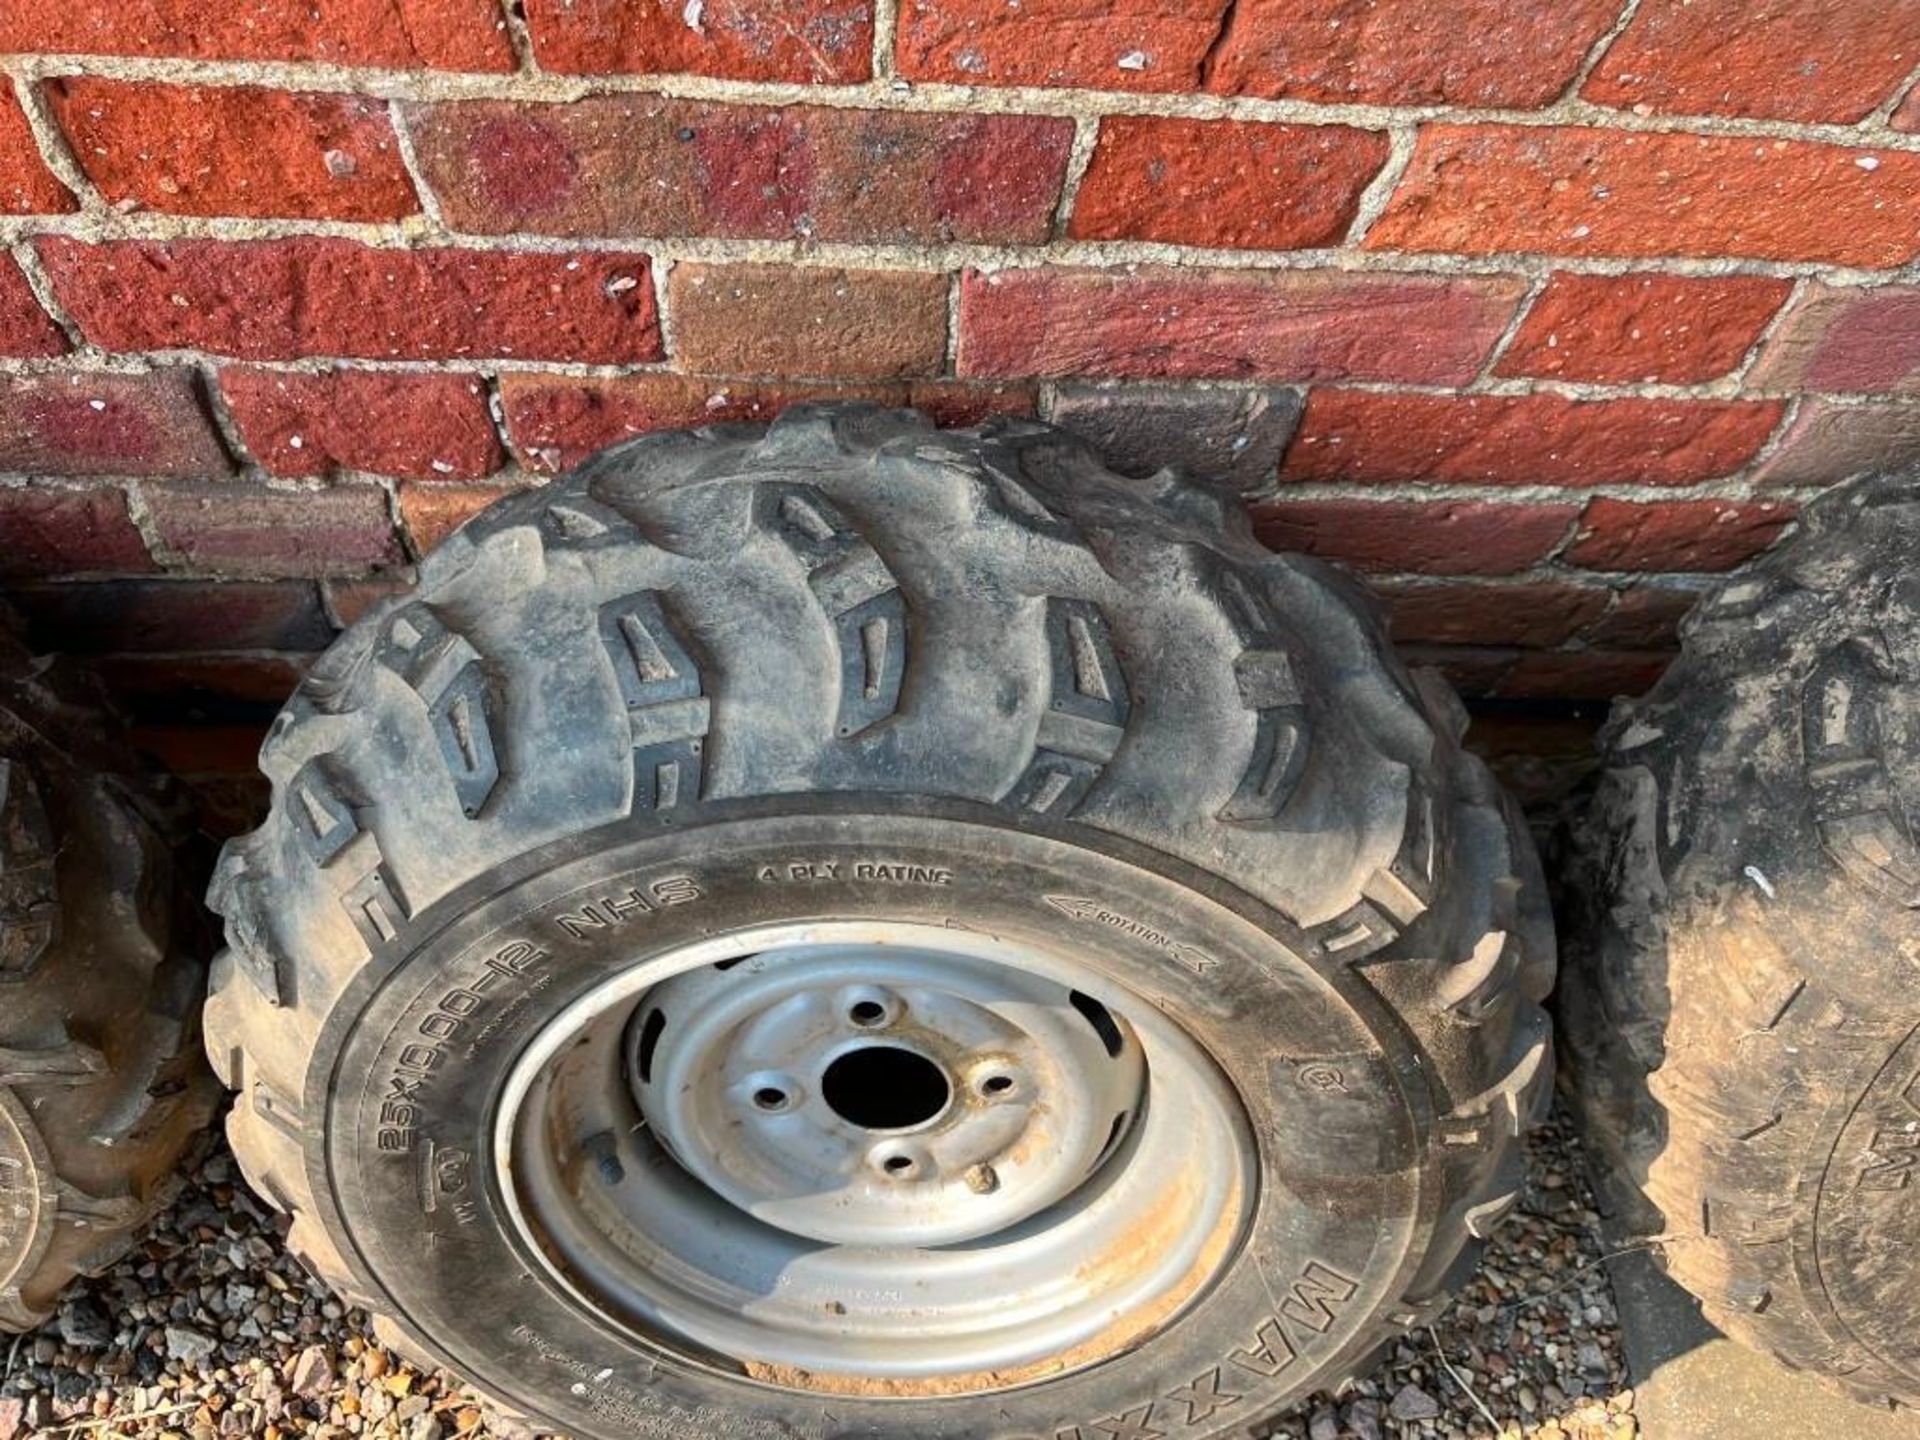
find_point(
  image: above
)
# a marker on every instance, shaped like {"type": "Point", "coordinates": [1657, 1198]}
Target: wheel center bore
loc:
{"type": "Point", "coordinates": [885, 1087]}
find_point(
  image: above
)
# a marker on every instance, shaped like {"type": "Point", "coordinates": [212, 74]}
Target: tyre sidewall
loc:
{"type": "Point", "coordinates": [414, 1059]}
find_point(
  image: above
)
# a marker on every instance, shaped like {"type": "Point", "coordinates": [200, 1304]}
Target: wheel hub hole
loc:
{"type": "Point", "coordinates": [883, 1087]}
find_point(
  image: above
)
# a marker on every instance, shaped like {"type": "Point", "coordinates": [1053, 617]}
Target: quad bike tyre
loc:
{"type": "Point", "coordinates": [103, 957]}
{"type": "Point", "coordinates": [854, 929]}
{"type": "Point", "coordinates": [1738, 1003]}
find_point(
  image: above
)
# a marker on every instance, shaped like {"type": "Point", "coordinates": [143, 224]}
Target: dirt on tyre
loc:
{"type": "Point", "coordinates": [103, 959]}
{"type": "Point", "coordinates": [849, 928]}
{"type": "Point", "coordinates": [1743, 950]}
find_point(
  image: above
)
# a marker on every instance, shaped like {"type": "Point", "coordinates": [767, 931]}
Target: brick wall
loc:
{"type": "Point", "coordinates": [1539, 314]}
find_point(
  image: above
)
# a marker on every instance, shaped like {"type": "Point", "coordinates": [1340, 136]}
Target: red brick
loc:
{"type": "Point", "coordinates": [787, 320]}
{"type": "Point", "coordinates": [88, 423]}
{"type": "Point", "coordinates": [280, 299]}
{"type": "Point", "coordinates": [1425, 537]}
{"type": "Point", "coordinates": [1826, 443]}
{"type": "Point", "coordinates": [1530, 615]}
{"type": "Point", "coordinates": [1582, 674]}
{"type": "Point", "coordinates": [1141, 45]}
{"type": "Point", "coordinates": [1413, 52]}
{"type": "Point", "coordinates": [66, 532]}
{"type": "Point", "coordinates": [1847, 339]}
{"type": "Point", "coordinates": [645, 165]}
{"type": "Point", "coordinates": [234, 150]}
{"type": "Point", "coordinates": [1381, 437]}
{"type": "Point", "coordinates": [1615, 329]}
{"type": "Point", "coordinates": [397, 34]}
{"type": "Point", "coordinates": [556, 421]}
{"type": "Point", "coordinates": [1675, 535]}
{"type": "Point", "coordinates": [819, 42]}
{"type": "Point", "coordinates": [1225, 183]}
{"type": "Point", "coordinates": [188, 687]}
{"type": "Point", "coordinates": [146, 616]}
{"type": "Point", "coordinates": [349, 598]}
{"type": "Point", "coordinates": [235, 528]}
{"type": "Point", "coordinates": [1490, 189]}
{"type": "Point", "coordinates": [433, 512]}
{"type": "Point", "coordinates": [27, 187]}
{"type": "Point", "coordinates": [413, 425]}
{"type": "Point", "coordinates": [1906, 115]}
{"type": "Point", "coordinates": [1814, 60]}
{"type": "Point", "coordinates": [1232, 324]}
{"type": "Point", "coordinates": [1643, 617]}
{"type": "Point", "coordinates": [26, 330]}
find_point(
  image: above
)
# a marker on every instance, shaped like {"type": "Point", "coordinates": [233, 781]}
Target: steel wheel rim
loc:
{"type": "Point", "coordinates": [619, 1159]}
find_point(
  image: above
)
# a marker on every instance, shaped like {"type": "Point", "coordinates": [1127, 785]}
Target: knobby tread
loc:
{"type": "Point", "coordinates": [1743, 949]}
{"type": "Point", "coordinates": [102, 961]}
{"type": "Point", "coordinates": [854, 601]}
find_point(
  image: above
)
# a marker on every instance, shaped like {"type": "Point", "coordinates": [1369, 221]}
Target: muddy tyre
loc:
{"type": "Point", "coordinates": [1743, 951]}
{"type": "Point", "coordinates": [103, 956]}
{"type": "Point", "coordinates": [849, 929]}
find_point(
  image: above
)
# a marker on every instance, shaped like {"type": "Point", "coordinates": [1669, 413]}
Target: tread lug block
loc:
{"type": "Point", "coordinates": [1005, 494]}
{"type": "Point", "coordinates": [583, 524]}
{"type": "Point", "coordinates": [1263, 674]}
{"type": "Point", "coordinates": [322, 819]}
{"type": "Point", "coordinates": [857, 593]}
{"type": "Point", "coordinates": [66, 1064]}
{"type": "Point", "coordinates": [450, 679]}
{"type": "Point", "coordinates": [667, 709]}
{"type": "Point", "coordinates": [1086, 714]}
{"type": "Point", "coordinates": [1855, 804]}
{"type": "Point", "coordinates": [29, 905]}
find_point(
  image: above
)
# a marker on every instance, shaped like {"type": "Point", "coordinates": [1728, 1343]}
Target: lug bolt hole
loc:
{"type": "Point", "coordinates": [867, 1013]}
{"type": "Point", "coordinates": [897, 1164]}
{"type": "Point", "coordinates": [996, 1085]}
{"type": "Point", "coordinates": [768, 1097]}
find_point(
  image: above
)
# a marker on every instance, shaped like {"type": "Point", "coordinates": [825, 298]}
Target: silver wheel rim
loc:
{"type": "Point", "coordinates": [875, 1158]}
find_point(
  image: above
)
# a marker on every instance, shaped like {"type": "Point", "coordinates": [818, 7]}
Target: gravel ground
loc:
{"type": "Point", "coordinates": [210, 1330]}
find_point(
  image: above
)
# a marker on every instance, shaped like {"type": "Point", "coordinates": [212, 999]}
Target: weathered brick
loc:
{"type": "Point", "coordinates": [1675, 535]}
{"type": "Point", "coordinates": [1425, 537]}
{"type": "Point", "coordinates": [1906, 115]}
{"type": "Point", "coordinates": [1848, 339]}
{"type": "Point", "coordinates": [1231, 435]}
{"type": "Point", "coordinates": [67, 532]}
{"type": "Point", "coordinates": [1225, 183]}
{"type": "Point", "coordinates": [646, 165]}
{"type": "Point", "coordinates": [200, 689]}
{"type": "Point", "coordinates": [235, 528]}
{"type": "Point", "coordinates": [1615, 329]}
{"type": "Point", "coordinates": [234, 150]}
{"type": "Point", "coordinates": [146, 616]}
{"type": "Point", "coordinates": [1582, 674]}
{"type": "Point", "coordinates": [1814, 60]}
{"type": "Point", "coordinates": [414, 425]}
{"type": "Point", "coordinates": [1141, 45]}
{"type": "Point", "coordinates": [26, 330]}
{"type": "Point", "coordinates": [817, 42]}
{"type": "Point", "coordinates": [1232, 324]}
{"type": "Point", "coordinates": [280, 299]}
{"type": "Point", "coordinates": [1643, 617]}
{"type": "Point", "coordinates": [79, 422]}
{"type": "Point", "coordinates": [556, 421]}
{"type": "Point", "coordinates": [789, 320]}
{"type": "Point", "coordinates": [1428, 52]}
{"type": "Point", "coordinates": [1489, 189]}
{"type": "Point", "coordinates": [350, 597]}
{"type": "Point", "coordinates": [1533, 614]}
{"type": "Point", "coordinates": [1383, 437]}
{"type": "Point", "coordinates": [433, 512]}
{"type": "Point", "coordinates": [398, 34]}
{"type": "Point", "coordinates": [1826, 443]}
{"type": "Point", "coordinates": [27, 186]}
